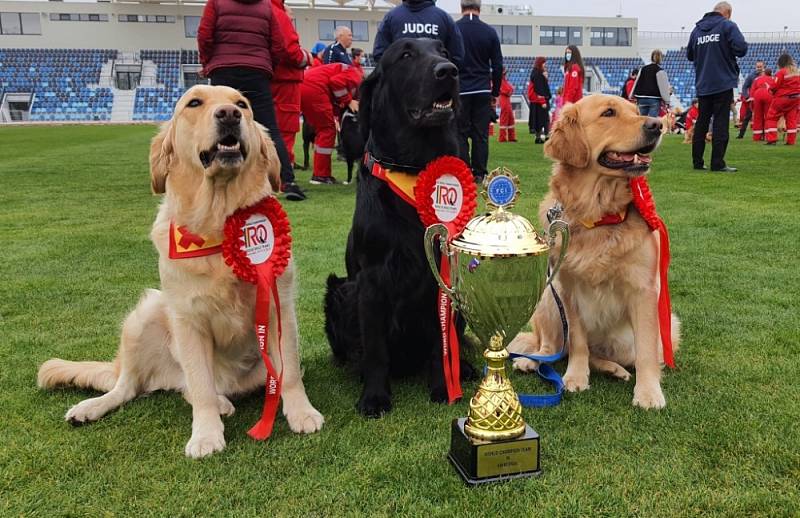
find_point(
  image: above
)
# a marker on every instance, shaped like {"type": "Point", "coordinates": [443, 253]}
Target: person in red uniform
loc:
{"type": "Point", "coordinates": [627, 90]}
{"type": "Point", "coordinates": [786, 101]}
{"type": "Point", "coordinates": [327, 89]}
{"type": "Point", "coordinates": [287, 78]}
{"type": "Point", "coordinates": [761, 94]}
{"type": "Point", "coordinates": [574, 72]}
{"type": "Point", "coordinates": [508, 132]}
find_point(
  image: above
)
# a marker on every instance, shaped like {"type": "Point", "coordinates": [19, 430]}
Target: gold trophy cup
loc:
{"type": "Point", "coordinates": [499, 271]}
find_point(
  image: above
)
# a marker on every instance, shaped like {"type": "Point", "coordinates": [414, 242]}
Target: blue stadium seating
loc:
{"type": "Point", "coordinates": [156, 103]}
{"type": "Point", "coordinates": [59, 80]}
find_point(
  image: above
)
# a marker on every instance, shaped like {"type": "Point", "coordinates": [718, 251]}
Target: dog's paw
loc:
{"type": "Point", "coordinates": [304, 420]}
{"type": "Point", "coordinates": [525, 365]}
{"type": "Point", "coordinates": [86, 411]}
{"type": "Point", "coordinates": [576, 383]}
{"type": "Point", "coordinates": [648, 397]}
{"type": "Point", "coordinates": [204, 443]}
{"type": "Point", "coordinates": [226, 408]}
{"type": "Point", "coordinates": [374, 405]}
{"type": "Point", "coordinates": [619, 372]}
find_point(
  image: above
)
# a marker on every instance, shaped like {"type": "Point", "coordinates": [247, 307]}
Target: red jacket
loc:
{"type": "Point", "coordinates": [629, 87]}
{"type": "Point", "coordinates": [291, 67]}
{"type": "Point", "coordinates": [573, 84]}
{"type": "Point", "coordinates": [506, 88]}
{"type": "Point", "coordinates": [762, 86]}
{"type": "Point", "coordinates": [317, 62]}
{"type": "Point", "coordinates": [239, 33]}
{"type": "Point", "coordinates": [691, 117]}
{"type": "Point", "coordinates": [335, 81]}
{"type": "Point", "coordinates": [786, 85]}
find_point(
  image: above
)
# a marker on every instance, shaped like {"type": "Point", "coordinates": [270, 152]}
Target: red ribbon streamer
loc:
{"type": "Point", "coordinates": [643, 200]}
{"type": "Point", "coordinates": [451, 354]}
{"type": "Point", "coordinates": [264, 276]}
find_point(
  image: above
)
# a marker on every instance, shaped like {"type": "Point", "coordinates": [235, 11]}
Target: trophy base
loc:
{"type": "Point", "coordinates": [481, 462]}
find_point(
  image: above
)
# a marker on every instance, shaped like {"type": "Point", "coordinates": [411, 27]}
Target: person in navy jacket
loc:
{"type": "Point", "coordinates": [419, 19]}
{"type": "Point", "coordinates": [336, 52]}
{"type": "Point", "coordinates": [714, 45]}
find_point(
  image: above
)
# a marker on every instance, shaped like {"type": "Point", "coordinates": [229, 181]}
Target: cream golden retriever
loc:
{"type": "Point", "coordinates": [609, 279]}
{"type": "Point", "coordinates": [196, 335]}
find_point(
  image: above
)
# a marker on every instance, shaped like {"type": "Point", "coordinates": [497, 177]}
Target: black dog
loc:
{"type": "Point", "coordinates": [383, 316]}
{"type": "Point", "coordinates": [309, 134]}
{"type": "Point", "coordinates": [351, 140]}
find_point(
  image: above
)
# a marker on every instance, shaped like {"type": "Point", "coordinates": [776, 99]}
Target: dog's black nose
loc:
{"type": "Point", "coordinates": [445, 70]}
{"type": "Point", "coordinates": [228, 115]}
{"type": "Point", "coordinates": [653, 125]}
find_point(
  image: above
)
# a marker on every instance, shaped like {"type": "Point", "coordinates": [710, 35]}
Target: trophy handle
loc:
{"type": "Point", "coordinates": [431, 233]}
{"type": "Point", "coordinates": [562, 227]}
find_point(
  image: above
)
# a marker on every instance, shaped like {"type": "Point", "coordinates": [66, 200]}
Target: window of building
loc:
{"type": "Point", "coordinates": [146, 18]}
{"type": "Point", "coordinates": [359, 28]}
{"type": "Point", "coordinates": [611, 36]}
{"type": "Point", "coordinates": [190, 24]}
{"type": "Point", "coordinates": [553, 35]}
{"type": "Point", "coordinates": [78, 17]}
{"type": "Point", "coordinates": [514, 34]}
{"type": "Point", "coordinates": [575, 36]}
{"type": "Point", "coordinates": [10, 23]}
{"type": "Point", "coordinates": [20, 23]}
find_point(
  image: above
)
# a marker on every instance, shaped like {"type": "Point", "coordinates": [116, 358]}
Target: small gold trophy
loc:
{"type": "Point", "coordinates": [499, 271]}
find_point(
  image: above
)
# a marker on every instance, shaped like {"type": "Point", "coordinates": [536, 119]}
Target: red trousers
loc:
{"type": "Point", "coordinates": [286, 98]}
{"type": "Point", "coordinates": [760, 108]}
{"type": "Point", "coordinates": [508, 133]}
{"type": "Point", "coordinates": [743, 109]}
{"type": "Point", "coordinates": [788, 109]}
{"type": "Point", "coordinates": [318, 111]}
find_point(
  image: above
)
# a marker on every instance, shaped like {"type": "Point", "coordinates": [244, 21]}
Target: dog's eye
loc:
{"type": "Point", "coordinates": [609, 113]}
{"type": "Point", "coordinates": [194, 103]}
{"type": "Point", "coordinates": [242, 104]}
{"type": "Point", "coordinates": [406, 55]}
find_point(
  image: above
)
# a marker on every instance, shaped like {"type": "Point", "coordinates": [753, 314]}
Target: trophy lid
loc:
{"type": "Point", "coordinates": [500, 233]}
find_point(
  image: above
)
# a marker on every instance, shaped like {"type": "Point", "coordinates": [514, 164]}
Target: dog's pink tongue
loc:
{"type": "Point", "coordinates": [628, 157]}
{"type": "Point", "coordinates": [645, 159]}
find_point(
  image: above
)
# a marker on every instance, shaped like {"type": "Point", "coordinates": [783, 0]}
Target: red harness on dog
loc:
{"type": "Point", "coordinates": [644, 203]}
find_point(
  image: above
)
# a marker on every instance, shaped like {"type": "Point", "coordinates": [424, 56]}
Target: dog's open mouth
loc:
{"type": "Point", "coordinates": [635, 162]}
{"type": "Point", "coordinates": [440, 109]}
{"type": "Point", "coordinates": [229, 151]}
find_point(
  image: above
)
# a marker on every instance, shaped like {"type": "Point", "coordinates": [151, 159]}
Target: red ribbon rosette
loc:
{"type": "Point", "coordinates": [445, 193]}
{"type": "Point", "coordinates": [644, 203]}
{"type": "Point", "coordinates": [257, 246]}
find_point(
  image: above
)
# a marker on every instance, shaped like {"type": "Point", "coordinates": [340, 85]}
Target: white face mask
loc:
{"type": "Point", "coordinates": [568, 56]}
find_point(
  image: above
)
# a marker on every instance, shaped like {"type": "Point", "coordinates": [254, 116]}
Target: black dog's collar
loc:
{"type": "Point", "coordinates": [370, 160]}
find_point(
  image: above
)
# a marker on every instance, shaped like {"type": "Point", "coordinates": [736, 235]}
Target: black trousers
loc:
{"type": "Point", "coordinates": [748, 116]}
{"type": "Point", "coordinates": [539, 122]}
{"type": "Point", "coordinates": [719, 107]}
{"type": "Point", "coordinates": [254, 85]}
{"type": "Point", "coordinates": [473, 124]}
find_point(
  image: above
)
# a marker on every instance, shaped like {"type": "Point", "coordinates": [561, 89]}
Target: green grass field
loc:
{"type": "Point", "coordinates": [75, 214]}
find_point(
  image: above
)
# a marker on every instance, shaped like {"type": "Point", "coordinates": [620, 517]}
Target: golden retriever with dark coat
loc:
{"type": "Point", "coordinates": [196, 335]}
{"type": "Point", "coordinates": [609, 279]}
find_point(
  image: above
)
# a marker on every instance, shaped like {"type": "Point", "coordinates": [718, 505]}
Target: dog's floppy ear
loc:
{"type": "Point", "coordinates": [162, 149]}
{"type": "Point", "coordinates": [366, 91]}
{"type": "Point", "coordinates": [272, 163]}
{"type": "Point", "coordinates": [567, 142]}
